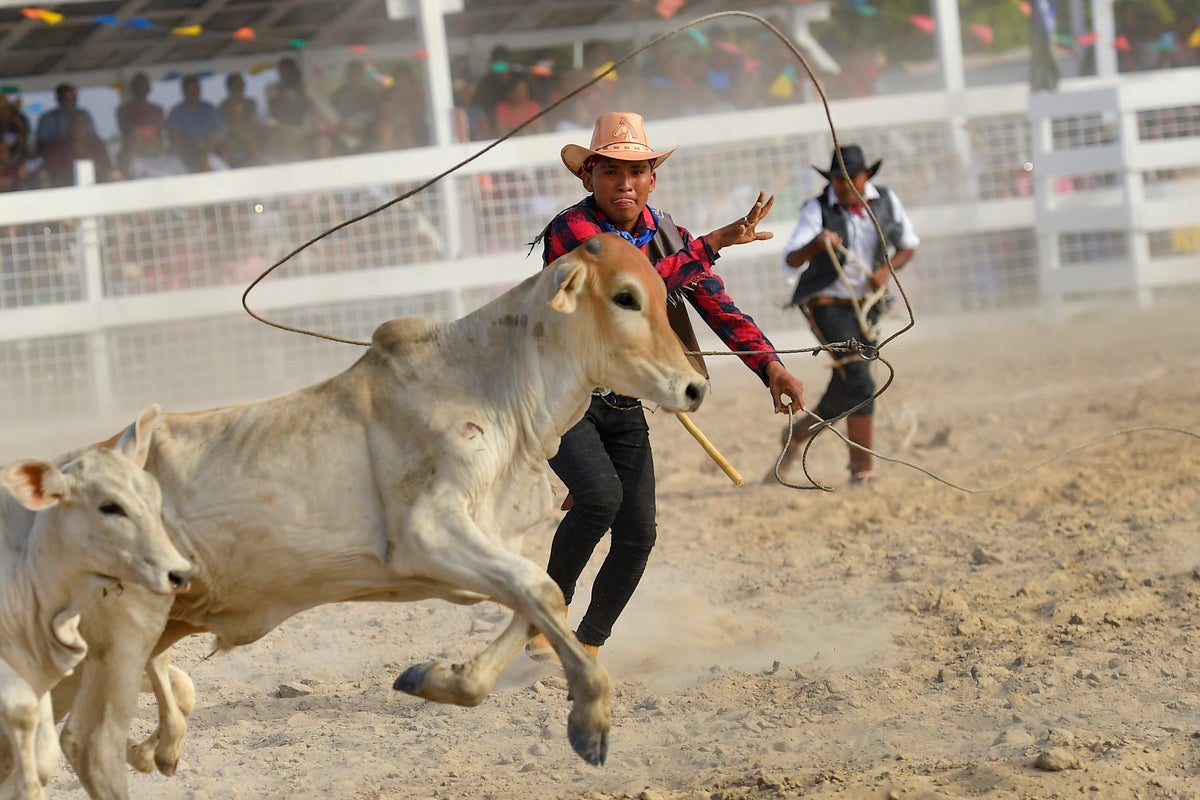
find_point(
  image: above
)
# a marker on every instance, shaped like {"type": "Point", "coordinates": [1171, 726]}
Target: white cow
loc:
{"type": "Point", "coordinates": [411, 475]}
{"type": "Point", "coordinates": [66, 535]}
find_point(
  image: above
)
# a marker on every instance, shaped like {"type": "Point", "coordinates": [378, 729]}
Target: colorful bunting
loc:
{"type": "Point", "coordinates": [983, 33]}
{"type": "Point", "coordinates": [612, 76]}
{"type": "Point", "coordinates": [1087, 39]}
{"type": "Point", "coordinates": [780, 87]}
{"type": "Point", "coordinates": [925, 23]}
{"type": "Point", "coordinates": [668, 8]}
{"type": "Point", "coordinates": [1194, 39]}
{"type": "Point", "coordinates": [138, 23]}
{"type": "Point", "coordinates": [188, 30]}
{"type": "Point", "coordinates": [1121, 43]}
{"type": "Point", "coordinates": [245, 34]}
{"type": "Point", "coordinates": [698, 36]}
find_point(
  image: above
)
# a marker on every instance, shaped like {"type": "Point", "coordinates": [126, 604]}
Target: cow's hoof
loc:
{"type": "Point", "coordinates": [412, 679]}
{"type": "Point", "coordinates": [592, 746]}
{"type": "Point", "coordinates": [167, 768]}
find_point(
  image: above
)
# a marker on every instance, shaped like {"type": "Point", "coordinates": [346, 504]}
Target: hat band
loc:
{"type": "Point", "coordinates": [630, 146]}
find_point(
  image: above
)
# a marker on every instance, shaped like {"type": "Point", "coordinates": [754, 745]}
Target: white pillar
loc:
{"type": "Point", "coordinates": [949, 44]}
{"type": "Point", "coordinates": [441, 103]}
{"type": "Point", "coordinates": [1105, 27]}
{"type": "Point", "coordinates": [437, 67]}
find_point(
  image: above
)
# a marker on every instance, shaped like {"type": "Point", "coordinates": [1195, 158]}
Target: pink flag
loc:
{"type": "Point", "coordinates": [927, 24]}
{"type": "Point", "coordinates": [983, 33]}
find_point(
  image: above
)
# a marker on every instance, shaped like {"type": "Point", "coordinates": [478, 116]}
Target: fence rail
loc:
{"type": "Point", "coordinates": [117, 295]}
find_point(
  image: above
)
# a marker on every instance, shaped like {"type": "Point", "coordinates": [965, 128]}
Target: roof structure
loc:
{"type": "Point", "coordinates": [73, 37]}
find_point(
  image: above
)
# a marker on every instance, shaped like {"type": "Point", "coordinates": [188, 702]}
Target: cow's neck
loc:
{"type": "Point", "coordinates": [59, 588]}
{"type": "Point", "coordinates": [539, 377]}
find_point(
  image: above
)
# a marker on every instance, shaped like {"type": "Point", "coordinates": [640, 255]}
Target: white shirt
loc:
{"type": "Point", "coordinates": [861, 240]}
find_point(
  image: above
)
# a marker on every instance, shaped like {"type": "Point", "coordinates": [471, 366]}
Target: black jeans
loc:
{"type": "Point", "coordinates": [850, 383]}
{"type": "Point", "coordinates": [606, 464]}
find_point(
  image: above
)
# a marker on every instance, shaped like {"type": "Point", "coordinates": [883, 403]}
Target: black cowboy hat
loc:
{"type": "Point", "coordinates": [856, 162]}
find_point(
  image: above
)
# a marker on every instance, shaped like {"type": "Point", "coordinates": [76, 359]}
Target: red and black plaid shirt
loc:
{"type": "Point", "coordinates": [687, 273]}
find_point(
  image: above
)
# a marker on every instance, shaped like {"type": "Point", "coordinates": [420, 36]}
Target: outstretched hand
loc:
{"type": "Point", "coordinates": [744, 231]}
{"type": "Point", "coordinates": [787, 391]}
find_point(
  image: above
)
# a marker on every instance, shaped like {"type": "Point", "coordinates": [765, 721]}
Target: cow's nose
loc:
{"type": "Point", "coordinates": [179, 578]}
{"type": "Point", "coordinates": [695, 393]}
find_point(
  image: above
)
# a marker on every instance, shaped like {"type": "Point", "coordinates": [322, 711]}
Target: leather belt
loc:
{"type": "Point", "coordinates": [832, 301]}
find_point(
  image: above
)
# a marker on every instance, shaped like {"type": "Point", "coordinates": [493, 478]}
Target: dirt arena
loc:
{"type": "Point", "coordinates": [908, 640]}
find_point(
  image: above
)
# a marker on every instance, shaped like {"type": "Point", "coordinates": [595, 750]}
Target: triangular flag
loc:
{"type": "Point", "coordinates": [1194, 39]}
{"type": "Point", "coordinates": [780, 87]}
{"type": "Point", "coordinates": [612, 76]}
{"type": "Point", "coordinates": [1026, 9]}
{"type": "Point", "coordinates": [866, 11]}
{"type": "Point", "coordinates": [750, 64]}
{"type": "Point", "coordinates": [1121, 43]}
{"type": "Point", "coordinates": [729, 47]}
{"type": "Point", "coordinates": [106, 19]}
{"type": "Point", "coordinates": [32, 13]}
{"type": "Point", "coordinates": [187, 30]}
{"type": "Point", "coordinates": [245, 34]}
{"type": "Point", "coordinates": [51, 17]}
{"type": "Point", "coordinates": [1087, 39]}
{"type": "Point", "coordinates": [296, 44]}
{"type": "Point", "coordinates": [698, 36]}
{"type": "Point", "coordinates": [140, 23]}
{"type": "Point", "coordinates": [983, 33]}
{"type": "Point", "coordinates": [925, 23]}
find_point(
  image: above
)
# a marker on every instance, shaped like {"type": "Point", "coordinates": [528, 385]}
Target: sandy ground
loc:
{"type": "Point", "coordinates": [907, 640]}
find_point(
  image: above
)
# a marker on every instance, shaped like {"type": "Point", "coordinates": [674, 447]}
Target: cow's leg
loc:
{"type": "Point", "coordinates": [20, 715]}
{"type": "Point", "coordinates": [478, 565]}
{"type": "Point", "coordinates": [175, 696]}
{"type": "Point", "coordinates": [121, 633]}
{"type": "Point", "coordinates": [469, 683]}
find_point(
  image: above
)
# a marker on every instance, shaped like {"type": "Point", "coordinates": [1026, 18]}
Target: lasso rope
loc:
{"type": "Point", "coordinates": [852, 347]}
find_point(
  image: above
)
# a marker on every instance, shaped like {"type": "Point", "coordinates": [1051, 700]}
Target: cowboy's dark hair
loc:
{"type": "Point", "coordinates": [591, 161]}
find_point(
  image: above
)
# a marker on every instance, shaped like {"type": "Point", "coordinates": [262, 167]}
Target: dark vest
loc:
{"type": "Point", "coordinates": [821, 272]}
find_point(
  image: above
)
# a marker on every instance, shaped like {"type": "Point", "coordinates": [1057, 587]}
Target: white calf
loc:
{"type": "Point", "coordinates": [65, 535]}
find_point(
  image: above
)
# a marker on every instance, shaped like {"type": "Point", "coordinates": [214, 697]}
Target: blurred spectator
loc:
{"type": "Point", "coordinates": [243, 134]}
{"type": "Point", "coordinates": [292, 111]}
{"type": "Point", "coordinates": [355, 102]}
{"type": "Point", "coordinates": [236, 105]}
{"type": "Point", "coordinates": [149, 157]}
{"type": "Point", "coordinates": [14, 127]}
{"type": "Point", "coordinates": [403, 108]}
{"type": "Point", "coordinates": [381, 137]}
{"type": "Point", "coordinates": [137, 111]}
{"type": "Point", "coordinates": [196, 129]}
{"type": "Point", "coordinates": [55, 125]}
{"type": "Point", "coordinates": [80, 143]}
{"type": "Point", "coordinates": [516, 106]}
{"type": "Point", "coordinates": [15, 171]}
{"type": "Point", "coordinates": [489, 91]}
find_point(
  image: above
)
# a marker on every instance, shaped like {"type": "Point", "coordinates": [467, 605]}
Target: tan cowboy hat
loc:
{"type": "Point", "coordinates": [617, 134]}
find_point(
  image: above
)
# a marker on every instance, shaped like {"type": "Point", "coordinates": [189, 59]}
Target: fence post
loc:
{"type": "Point", "coordinates": [92, 265]}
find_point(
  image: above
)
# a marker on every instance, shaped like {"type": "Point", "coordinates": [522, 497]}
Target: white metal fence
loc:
{"type": "Point", "coordinates": [117, 295]}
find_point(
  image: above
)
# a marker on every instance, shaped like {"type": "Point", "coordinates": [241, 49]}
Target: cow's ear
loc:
{"type": "Point", "coordinates": [135, 441]}
{"type": "Point", "coordinates": [36, 484]}
{"type": "Point", "coordinates": [571, 276]}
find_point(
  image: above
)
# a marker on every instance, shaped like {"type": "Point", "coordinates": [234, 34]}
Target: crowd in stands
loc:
{"type": "Point", "coordinates": [370, 112]}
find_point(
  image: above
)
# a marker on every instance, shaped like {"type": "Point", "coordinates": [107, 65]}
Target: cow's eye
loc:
{"type": "Point", "coordinates": [626, 300]}
{"type": "Point", "coordinates": [113, 508]}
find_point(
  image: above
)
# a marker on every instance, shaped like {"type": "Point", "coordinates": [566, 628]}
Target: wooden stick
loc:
{"type": "Point", "coordinates": [725, 466]}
